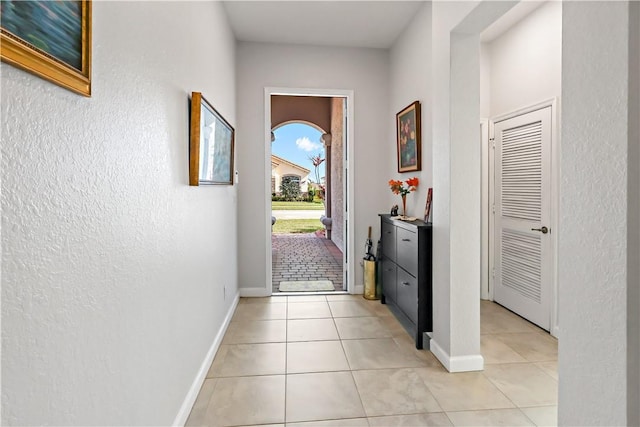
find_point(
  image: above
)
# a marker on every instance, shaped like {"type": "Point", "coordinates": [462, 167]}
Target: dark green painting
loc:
{"type": "Point", "coordinates": [54, 27]}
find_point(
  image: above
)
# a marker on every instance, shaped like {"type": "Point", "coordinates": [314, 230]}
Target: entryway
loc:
{"type": "Point", "coordinates": [316, 260]}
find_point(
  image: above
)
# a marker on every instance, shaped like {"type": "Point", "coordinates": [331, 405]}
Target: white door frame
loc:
{"type": "Point", "coordinates": [485, 216]}
{"type": "Point", "coordinates": [555, 175]}
{"type": "Point", "coordinates": [349, 259]}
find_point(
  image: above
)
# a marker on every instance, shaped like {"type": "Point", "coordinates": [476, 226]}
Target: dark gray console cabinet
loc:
{"type": "Point", "coordinates": [406, 273]}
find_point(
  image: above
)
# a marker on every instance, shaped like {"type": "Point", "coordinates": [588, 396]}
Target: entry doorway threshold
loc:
{"type": "Point", "coordinates": [293, 294]}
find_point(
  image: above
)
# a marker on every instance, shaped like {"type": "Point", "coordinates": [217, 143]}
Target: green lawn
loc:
{"type": "Point", "coordinates": [297, 206]}
{"type": "Point", "coordinates": [283, 226]}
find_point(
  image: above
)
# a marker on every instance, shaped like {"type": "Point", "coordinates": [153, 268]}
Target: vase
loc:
{"type": "Point", "coordinates": [404, 205]}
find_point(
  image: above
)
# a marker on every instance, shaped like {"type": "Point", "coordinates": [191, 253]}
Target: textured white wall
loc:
{"type": "Point", "coordinates": [485, 81]}
{"type": "Point", "coordinates": [113, 268]}
{"type": "Point", "coordinates": [633, 231]}
{"type": "Point", "coordinates": [366, 72]}
{"type": "Point", "coordinates": [465, 201]}
{"type": "Point", "coordinates": [445, 16]}
{"type": "Point", "coordinates": [526, 61]}
{"type": "Point", "coordinates": [593, 214]}
{"type": "Point", "coordinates": [411, 81]}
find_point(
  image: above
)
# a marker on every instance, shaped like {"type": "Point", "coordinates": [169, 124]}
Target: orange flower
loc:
{"type": "Point", "coordinates": [397, 187]}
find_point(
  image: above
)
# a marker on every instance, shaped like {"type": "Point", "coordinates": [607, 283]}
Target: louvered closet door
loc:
{"type": "Point", "coordinates": [523, 258]}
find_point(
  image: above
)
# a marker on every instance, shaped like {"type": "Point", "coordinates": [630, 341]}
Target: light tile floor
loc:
{"type": "Point", "coordinates": [340, 360]}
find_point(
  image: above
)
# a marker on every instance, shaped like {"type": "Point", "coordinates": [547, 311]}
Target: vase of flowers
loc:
{"type": "Point", "coordinates": [397, 187]}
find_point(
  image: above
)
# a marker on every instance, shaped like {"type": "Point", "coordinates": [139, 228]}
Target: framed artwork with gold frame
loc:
{"type": "Point", "coordinates": [51, 39]}
{"type": "Point", "coordinates": [211, 145]}
{"type": "Point", "coordinates": [409, 138]}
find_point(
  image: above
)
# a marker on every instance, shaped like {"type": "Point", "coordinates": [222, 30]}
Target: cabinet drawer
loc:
{"type": "Point", "coordinates": [388, 279]}
{"type": "Point", "coordinates": [407, 294]}
{"type": "Point", "coordinates": [407, 250]}
{"type": "Point", "coordinates": [389, 240]}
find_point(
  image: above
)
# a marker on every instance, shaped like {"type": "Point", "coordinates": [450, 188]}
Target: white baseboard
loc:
{"type": "Point", "coordinates": [255, 292]}
{"type": "Point", "coordinates": [439, 353]}
{"type": "Point", "coordinates": [190, 399]}
{"type": "Point", "coordinates": [468, 363]}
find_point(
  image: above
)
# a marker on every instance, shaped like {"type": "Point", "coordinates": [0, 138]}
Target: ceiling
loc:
{"type": "Point", "coordinates": [374, 24]}
{"type": "Point", "coordinates": [509, 19]}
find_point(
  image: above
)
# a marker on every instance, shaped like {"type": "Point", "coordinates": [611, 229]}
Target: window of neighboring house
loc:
{"type": "Point", "coordinates": [273, 184]}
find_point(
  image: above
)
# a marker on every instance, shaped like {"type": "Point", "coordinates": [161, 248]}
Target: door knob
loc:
{"type": "Point", "coordinates": [543, 230]}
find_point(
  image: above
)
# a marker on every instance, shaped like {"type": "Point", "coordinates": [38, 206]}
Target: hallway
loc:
{"type": "Point", "coordinates": [340, 360]}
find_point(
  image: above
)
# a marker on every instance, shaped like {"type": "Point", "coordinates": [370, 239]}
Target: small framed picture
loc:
{"type": "Point", "coordinates": [427, 209]}
{"type": "Point", "coordinates": [408, 136]}
{"type": "Point", "coordinates": [211, 143]}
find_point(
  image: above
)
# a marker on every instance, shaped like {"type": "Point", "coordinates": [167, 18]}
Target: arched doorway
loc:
{"type": "Point", "coordinates": [304, 258]}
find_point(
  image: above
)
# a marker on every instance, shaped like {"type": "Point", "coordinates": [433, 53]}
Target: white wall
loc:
{"type": "Point", "coordinates": [523, 67]}
{"type": "Point", "coordinates": [485, 81]}
{"type": "Point", "coordinates": [366, 72]}
{"type": "Point", "coordinates": [113, 268]}
{"type": "Point", "coordinates": [633, 231]}
{"type": "Point", "coordinates": [526, 61]}
{"type": "Point", "coordinates": [410, 75]}
{"type": "Point", "coordinates": [446, 310]}
{"type": "Point", "coordinates": [593, 270]}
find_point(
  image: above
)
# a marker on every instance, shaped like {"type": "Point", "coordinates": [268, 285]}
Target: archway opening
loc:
{"type": "Point", "coordinates": [297, 178]}
{"type": "Point", "coordinates": [304, 258]}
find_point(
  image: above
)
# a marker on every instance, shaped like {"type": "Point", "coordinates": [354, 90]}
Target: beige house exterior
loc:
{"type": "Point", "coordinates": [281, 168]}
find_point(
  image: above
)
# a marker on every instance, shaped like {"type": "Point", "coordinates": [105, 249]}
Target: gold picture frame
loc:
{"type": "Point", "coordinates": [72, 21]}
{"type": "Point", "coordinates": [211, 145]}
{"type": "Point", "coordinates": [409, 138]}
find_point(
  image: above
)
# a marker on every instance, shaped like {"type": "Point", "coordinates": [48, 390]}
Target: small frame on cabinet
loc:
{"type": "Point", "coordinates": [211, 145]}
{"type": "Point", "coordinates": [51, 39]}
{"type": "Point", "coordinates": [409, 138]}
{"type": "Point", "coordinates": [427, 209]}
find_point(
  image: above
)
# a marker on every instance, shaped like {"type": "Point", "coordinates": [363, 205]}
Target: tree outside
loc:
{"type": "Point", "coordinates": [290, 187]}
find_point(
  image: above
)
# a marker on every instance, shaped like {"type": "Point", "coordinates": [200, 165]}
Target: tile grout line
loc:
{"type": "Point", "coordinates": [520, 354]}
{"type": "Point", "coordinates": [527, 417]}
{"type": "Point", "coordinates": [351, 370]}
{"type": "Point", "coordinates": [487, 410]}
{"type": "Point", "coordinates": [498, 388]}
{"type": "Point", "coordinates": [286, 361]}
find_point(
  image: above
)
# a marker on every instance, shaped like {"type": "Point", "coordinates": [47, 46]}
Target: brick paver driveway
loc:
{"type": "Point", "coordinates": [305, 257]}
